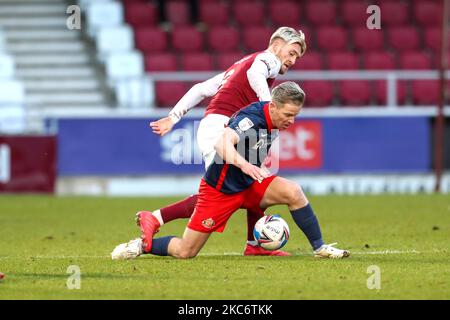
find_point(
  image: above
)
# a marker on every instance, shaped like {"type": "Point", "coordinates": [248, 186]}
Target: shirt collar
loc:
{"type": "Point", "coordinates": [267, 116]}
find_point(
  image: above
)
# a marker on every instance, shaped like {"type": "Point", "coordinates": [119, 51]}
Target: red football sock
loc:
{"type": "Point", "coordinates": [252, 218]}
{"type": "Point", "coordinates": [181, 209]}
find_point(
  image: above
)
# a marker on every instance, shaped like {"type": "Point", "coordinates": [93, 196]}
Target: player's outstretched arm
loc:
{"type": "Point", "coordinates": [226, 150]}
{"type": "Point", "coordinates": [193, 97]}
{"type": "Point", "coordinates": [162, 126]}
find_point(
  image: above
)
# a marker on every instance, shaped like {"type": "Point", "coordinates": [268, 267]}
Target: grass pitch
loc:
{"type": "Point", "coordinates": [406, 237]}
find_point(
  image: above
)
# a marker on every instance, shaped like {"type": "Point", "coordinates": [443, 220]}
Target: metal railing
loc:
{"type": "Point", "coordinates": [391, 77]}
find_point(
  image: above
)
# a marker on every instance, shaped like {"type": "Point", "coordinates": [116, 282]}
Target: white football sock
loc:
{"type": "Point", "coordinates": [157, 215]}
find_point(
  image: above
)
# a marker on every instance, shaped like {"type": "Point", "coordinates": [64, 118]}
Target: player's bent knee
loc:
{"type": "Point", "coordinates": [187, 254]}
{"type": "Point", "coordinates": [296, 196]}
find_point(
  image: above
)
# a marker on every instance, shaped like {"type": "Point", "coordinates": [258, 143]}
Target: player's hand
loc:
{"type": "Point", "coordinates": [162, 126]}
{"type": "Point", "coordinates": [255, 172]}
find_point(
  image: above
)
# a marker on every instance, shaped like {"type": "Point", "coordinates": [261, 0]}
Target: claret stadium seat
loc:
{"type": "Point", "coordinates": [197, 62]}
{"type": "Point", "coordinates": [223, 39]}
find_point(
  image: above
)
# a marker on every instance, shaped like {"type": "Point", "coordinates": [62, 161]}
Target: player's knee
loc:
{"type": "Point", "coordinates": [296, 197]}
{"type": "Point", "coordinates": [187, 253]}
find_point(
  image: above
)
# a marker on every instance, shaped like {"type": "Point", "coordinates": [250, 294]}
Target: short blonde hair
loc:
{"type": "Point", "coordinates": [290, 35]}
{"type": "Point", "coordinates": [287, 92]}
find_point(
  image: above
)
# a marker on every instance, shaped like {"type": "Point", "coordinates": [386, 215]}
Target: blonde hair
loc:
{"type": "Point", "coordinates": [290, 35]}
{"type": "Point", "coordinates": [287, 92]}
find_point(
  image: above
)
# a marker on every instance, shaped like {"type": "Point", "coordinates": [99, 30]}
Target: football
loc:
{"type": "Point", "coordinates": [271, 232]}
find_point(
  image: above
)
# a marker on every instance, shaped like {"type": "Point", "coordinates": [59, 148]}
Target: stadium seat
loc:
{"type": "Point", "coordinates": [168, 93]}
{"type": "Point", "coordinates": [187, 39]}
{"type": "Point", "coordinates": [381, 92]}
{"type": "Point", "coordinates": [428, 13]}
{"type": "Point", "coordinates": [178, 13]}
{"type": "Point", "coordinates": [223, 39]}
{"type": "Point", "coordinates": [332, 38]}
{"type": "Point", "coordinates": [134, 93]}
{"type": "Point", "coordinates": [257, 38]}
{"type": "Point", "coordinates": [11, 92]}
{"type": "Point", "coordinates": [141, 14]}
{"type": "Point", "coordinates": [249, 13]}
{"type": "Point", "coordinates": [103, 14]}
{"type": "Point", "coordinates": [12, 119]}
{"type": "Point", "coordinates": [321, 12]}
{"type": "Point", "coordinates": [425, 92]}
{"type": "Point", "coordinates": [318, 93]}
{"type": "Point", "coordinates": [368, 40]}
{"type": "Point", "coordinates": [284, 13]}
{"type": "Point", "coordinates": [114, 39]}
{"type": "Point", "coordinates": [433, 39]}
{"type": "Point", "coordinates": [197, 62]}
{"type": "Point", "coordinates": [215, 14]}
{"type": "Point", "coordinates": [226, 60]}
{"type": "Point", "coordinates": [343, 61]}
{"type": "Point", "coordinates": [151, 39]}
{"type": "Point", "coordinates": [7, 67]}
{"type": "Point", "coordinates": [394, 13]}
{"type": "Point", "coordinates": [124, 65]}
{"type": "Point", "coordinates": [354, 92]}
{"type": "Point", "coordinates": [161, 62]}
{"type": "Point", "coordinates": [310, 61]}
{"type": "Point", "coordinates": [403, 38]}
{"type": "Point", "coordinates": [353, 13]}
{"type": "Point", "coordinates": [415, 61]}
{"type": "Point", "coordinates": [379, 61]}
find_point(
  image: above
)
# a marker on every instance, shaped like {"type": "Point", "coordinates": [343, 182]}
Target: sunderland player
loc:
{"type": "Point", "coordinates": [232, 182]}
{"type": "Point", "coordinates": [247, 81]}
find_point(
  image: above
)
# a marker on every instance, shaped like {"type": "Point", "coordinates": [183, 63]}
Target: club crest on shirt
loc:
{"type": "Point", "coordinates": [245, 124]}
{"type": "Point", "coordinates": [208, 223]}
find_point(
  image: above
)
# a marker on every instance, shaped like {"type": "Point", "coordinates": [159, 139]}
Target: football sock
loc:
{"type": "Point", "coordinates": [179, 210]}
{"type": "Point", "coordinates": [157, 215]}
{"type": "Point", "coordinates": [160, 246]}
{"type": "Point", "coordinates": [252, 218]}
{"type": "Point", "coordinates": [307, 221]}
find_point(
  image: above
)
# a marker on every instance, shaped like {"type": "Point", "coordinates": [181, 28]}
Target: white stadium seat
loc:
{"type": "Point", "coordinates": [103, 14]}
{"type": "Point", "coordinates": [124, 65]}
{"type": "Point", "coordinates": [12, 119]}
{"type": "Point", "coordinates": [11, 92]}
{"type": "Point", "coordinates": [114, 39]}
{"type": "Point", "coordinates": [135, 93]}
{"type": "Point", "coordinates": [7, 68]}
{"type": "Point", "coordinates": [84, 4]}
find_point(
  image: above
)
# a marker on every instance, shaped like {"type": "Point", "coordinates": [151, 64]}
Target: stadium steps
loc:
{"type": "Point", "coordinates": [25, 60]}
{"type": "Point", "coordinates": [57, 66]}
{"type": "Point", "coordinates": [83, 84]}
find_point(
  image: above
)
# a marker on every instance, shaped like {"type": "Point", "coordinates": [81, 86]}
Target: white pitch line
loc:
{"type": "Point", "coordinates": [213, 254]}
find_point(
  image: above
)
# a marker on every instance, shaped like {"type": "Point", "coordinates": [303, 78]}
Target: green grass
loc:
{"type": "Point", "coordinates": [40, 237]}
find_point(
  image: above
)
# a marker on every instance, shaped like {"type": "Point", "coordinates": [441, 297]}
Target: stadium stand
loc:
{"type": "Point", "coordinates": [335, 30]}
{"type": "Point", "coordinates": [135, 38]}
{"type": "Point", "coordinates": [12, 94]}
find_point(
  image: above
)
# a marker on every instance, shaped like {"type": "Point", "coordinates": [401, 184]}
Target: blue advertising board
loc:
{"type": "Point", "coordinates": [114, 147]}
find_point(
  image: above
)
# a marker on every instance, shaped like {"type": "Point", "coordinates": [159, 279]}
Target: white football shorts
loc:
{"type": "Point", "coordinates": [209, 131]}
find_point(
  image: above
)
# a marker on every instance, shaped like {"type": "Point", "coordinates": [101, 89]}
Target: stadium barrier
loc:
{"type": "Point", "coordinates": [27, 164]}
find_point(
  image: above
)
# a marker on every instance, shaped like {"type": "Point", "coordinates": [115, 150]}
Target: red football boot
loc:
{"type": "Point", "coordinates": [258, 251]}
{"type": "Point", "coordinates": [149, 226]}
